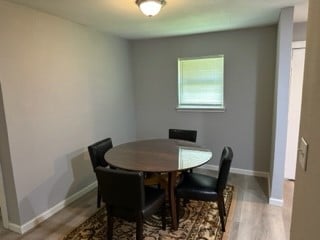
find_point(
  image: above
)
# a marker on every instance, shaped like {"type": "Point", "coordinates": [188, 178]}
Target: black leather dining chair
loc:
{"type": "Point", "coordinates": [126, 196]}
{"type": "Point", "coordinates": [97, 152]}
{"type": "Point", "coordinates": [182, 134]}
{"type": "Point", "coordinates": [195, 186]}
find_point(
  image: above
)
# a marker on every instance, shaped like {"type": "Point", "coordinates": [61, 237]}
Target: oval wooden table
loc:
{"type": "Point", "coordinates": [161, 156]}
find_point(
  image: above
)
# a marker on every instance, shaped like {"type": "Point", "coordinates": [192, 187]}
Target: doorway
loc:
{"type": "Point", "coordinates": [295, 99]}
{"type": "Point", "coordinates": [3, 205]}
{"type": "Point", "coordinates": [3, 137]}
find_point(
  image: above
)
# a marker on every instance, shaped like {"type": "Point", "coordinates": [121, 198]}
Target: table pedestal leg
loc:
{"type": "Point", "coordinates": [172, 198]}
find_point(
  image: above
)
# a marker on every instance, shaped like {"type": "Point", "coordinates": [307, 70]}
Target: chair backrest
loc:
{"type": "Point", "coordinates": [97, 151]}
{"type": "Point", "coordinates": [224, 168]}
{"type": "Point", "coordinates": [187, 135]}
{"type": "Point", "coordinates": [121, 189]}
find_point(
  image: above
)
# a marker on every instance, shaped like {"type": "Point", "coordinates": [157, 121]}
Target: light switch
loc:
{"type": "Point", "coordinates": [303, 153]}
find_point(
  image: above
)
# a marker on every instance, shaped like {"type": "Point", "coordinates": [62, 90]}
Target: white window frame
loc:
{"type": "Point", "coordinates": [200, 107]}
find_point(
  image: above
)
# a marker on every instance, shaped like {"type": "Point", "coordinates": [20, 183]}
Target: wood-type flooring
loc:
{"type": "Point", "coordinates": [253, 218]}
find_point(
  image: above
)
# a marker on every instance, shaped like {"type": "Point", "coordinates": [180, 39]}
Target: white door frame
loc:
{"type": "Point", "coordinates": [3, 202]}
{"type": "Point", "coordinates": [293, 129]}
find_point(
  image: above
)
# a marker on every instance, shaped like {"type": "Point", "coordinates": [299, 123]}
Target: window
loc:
{"type": "Point", "coordinates": [200, 83]}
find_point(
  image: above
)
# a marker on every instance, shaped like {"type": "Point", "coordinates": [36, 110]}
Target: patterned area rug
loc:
{"type": "Point", "coordinates": [198, 220]}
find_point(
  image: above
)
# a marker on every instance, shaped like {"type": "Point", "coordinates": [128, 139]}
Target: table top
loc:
{"type": "Point", "coordinates": [158, 155]}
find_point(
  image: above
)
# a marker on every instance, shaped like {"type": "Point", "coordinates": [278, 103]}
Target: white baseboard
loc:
{"type": "Point", "coordinates": [276, 202]}
{"type": "Point", "coordinates": [238, 171]}
{"type": "Point", "coordinates": [14, 227]}
{"type": "Point", "coordinates": [50, 212]}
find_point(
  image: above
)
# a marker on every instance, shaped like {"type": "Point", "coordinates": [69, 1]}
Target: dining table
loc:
{"type": "Point", "coordinates": [166, 156]}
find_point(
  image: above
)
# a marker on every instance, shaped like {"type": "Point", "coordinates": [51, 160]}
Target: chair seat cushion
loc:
{"type": "Point", "coordinates": [198, 187]}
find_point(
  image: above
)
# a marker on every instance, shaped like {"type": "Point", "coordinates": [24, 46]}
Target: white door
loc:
{"type": "Point", "coordinates": [295, 98]}
{"type": "Point", "coordinates": [3, 203]}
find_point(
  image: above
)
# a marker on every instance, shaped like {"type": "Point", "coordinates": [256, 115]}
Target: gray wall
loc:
{"type": "Point", "coordinates": [6, 169]}
{"type": "Point", "coordinates": [64, 87]}
{"type": "Point", "coordinates": [306, 211]}
{"type": "Point", "coordinates": [284, 43]}
{"type": "Point", "coordinates": [249, 85]}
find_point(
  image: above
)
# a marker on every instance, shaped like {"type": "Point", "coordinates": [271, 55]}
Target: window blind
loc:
{"type": "Point", "coordinates": [201, 82]}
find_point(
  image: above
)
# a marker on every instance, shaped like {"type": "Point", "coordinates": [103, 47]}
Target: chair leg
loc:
{"type": "Point", "coordinates": [163, 215]}
{"type": "Point", "coordinates": [139, 227]}
{"type": "Point", "coordinates": [177, 209]}
{"type": "Point", "coordinates": [221, 213]}
{"type": "Point", "coordinates": [98, 198]}
{"type": "Point", "coordinates": [109, 223]}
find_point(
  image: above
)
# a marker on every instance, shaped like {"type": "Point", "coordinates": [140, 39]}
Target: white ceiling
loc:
{"type": "Point", "coordinates": [178, 17]}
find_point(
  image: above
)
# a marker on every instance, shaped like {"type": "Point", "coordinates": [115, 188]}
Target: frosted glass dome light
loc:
{"type": "Point", "coordinates": [150, 8]}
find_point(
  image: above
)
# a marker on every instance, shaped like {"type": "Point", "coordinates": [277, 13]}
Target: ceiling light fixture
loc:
{"type": "Point", "coordinates": [150, 8]}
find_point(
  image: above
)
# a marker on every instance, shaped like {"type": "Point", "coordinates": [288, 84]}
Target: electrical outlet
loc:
{"type": "Point", "coordinates": [303, 153]}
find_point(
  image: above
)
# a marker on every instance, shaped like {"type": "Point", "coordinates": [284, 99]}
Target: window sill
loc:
{"type": "Point", "coordinates": [200, 109]}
